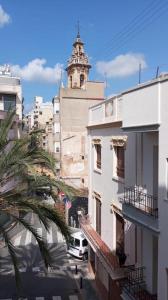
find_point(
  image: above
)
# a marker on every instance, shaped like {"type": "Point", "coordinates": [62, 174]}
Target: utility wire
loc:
{"type": "Point", "coordinates": [145, 20]}
{"type": "Point", "coordinates": [141, 27]}
{"type": "Point", "coordinates": [134, 21]}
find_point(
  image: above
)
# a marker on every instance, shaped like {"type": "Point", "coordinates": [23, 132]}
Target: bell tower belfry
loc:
{"type": "Point", "coordinates": [78, 66]}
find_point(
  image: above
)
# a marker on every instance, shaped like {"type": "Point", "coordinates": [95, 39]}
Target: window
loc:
{"type": "Point", "coordinates": [9, 102]}
{"type": "Point", "coordinates": [119, 161]}
{"type": "Point", "coordinates": [84, 243]}
{"type": "Point", "coordinates": [81, 80]}
{"type": "Point", "coordinates": [77, 243]}
{"type": "Point", "coordinates": [71, 81]}
{"type": "Point", "coordinates": [57, 147]}
{"type": "Point", "coordinates": [119, 146]}
{"type": "Point", "coordinates": [119, 233]}
{"type": "Point", "coordinates": [56, 127]}
{"type": "Point", "coordinates": [56, 108]}
{"type": "Point", "coordinates": [98, 215]}
{"type": "Point", "coordinates": [74, 242]}
{"type": "Point", "coordinates": [98, 156]}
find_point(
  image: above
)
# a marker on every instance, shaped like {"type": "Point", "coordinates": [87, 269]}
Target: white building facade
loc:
{"type": "Point", "coordinates": [11, 98]}
{"type": "Point", "coordinates": [128, 184]}
{"type": "Point", "coordinates": [41, 117]}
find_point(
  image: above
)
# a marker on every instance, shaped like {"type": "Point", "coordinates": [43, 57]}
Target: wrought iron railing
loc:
{"type": "Point", "coordinates": [135, 285]}
{"type": "Point", "coordinates": [137, 197]}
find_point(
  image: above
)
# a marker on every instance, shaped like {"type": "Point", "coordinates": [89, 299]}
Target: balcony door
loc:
{"type": "Point", "coordinates": [119, 233]}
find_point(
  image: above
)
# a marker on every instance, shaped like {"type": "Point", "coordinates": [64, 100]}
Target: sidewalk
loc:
{"type": "Point", "coordinates": [89, 289]}
{"type": "Point", "coordinates": [86, 286]}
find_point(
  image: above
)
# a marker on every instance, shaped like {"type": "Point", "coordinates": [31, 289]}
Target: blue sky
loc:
{"type": "Point", "coordinates": [36, 40]}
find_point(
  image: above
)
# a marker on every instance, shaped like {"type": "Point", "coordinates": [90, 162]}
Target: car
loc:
{"type": "Point", "coordinates": [78, 245]}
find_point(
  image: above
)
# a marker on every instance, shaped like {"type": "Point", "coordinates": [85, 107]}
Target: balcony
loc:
{"type": "Point", "coordinates": [109, 259]}
{"type": "Point", "coordinates": [134, 285]}
{"type": "Point", "coordinates": [106, 112]}
{"type": "Point", "coordinates": [140, 207]}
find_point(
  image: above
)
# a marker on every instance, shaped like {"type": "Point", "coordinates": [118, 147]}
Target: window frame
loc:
{"type": "Point", "coordinates": [120, 161]}
{"type": "Point", "coordinates": [98, 215]}
{"type": "Point", "coordinates": [97, 156]}
{"type": "Point", "coordinates": [11, 103]}
{"type": "Point", "coordinates": [118, 143]}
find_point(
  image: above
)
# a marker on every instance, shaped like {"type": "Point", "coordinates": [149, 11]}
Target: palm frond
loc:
{"type": "Point", "coordinates": [13, 255]}
{"type": "Point", "coordinates": [4, 129]}
{"type": "Point", "coordinates": [25, 170]}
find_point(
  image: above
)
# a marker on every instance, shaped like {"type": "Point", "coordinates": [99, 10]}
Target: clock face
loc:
{"type": "Point", "coordinates": [108, 109]}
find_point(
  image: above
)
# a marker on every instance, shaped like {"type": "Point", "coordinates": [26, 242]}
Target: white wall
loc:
{"type": "Point", "coordinates": [11, 85]}
{"type": "Point", "coordinates": [163, 201]}
{"type": "Point", "coordinates": [105, 184]}
{"type": "Point", "coordinates": [141, 106]}
{"type": "Point", "coordinates": [56, 127]}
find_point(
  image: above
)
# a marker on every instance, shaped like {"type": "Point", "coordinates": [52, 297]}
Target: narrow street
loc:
{"type": "Point", "coordinates": [57, 284]}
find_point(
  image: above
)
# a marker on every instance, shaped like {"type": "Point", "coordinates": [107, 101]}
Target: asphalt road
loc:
{"type": "Point", "coordinates": [56, 284]}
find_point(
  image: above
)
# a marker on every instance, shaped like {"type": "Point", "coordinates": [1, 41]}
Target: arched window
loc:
{"type": "Point", "coordinates": [71, 81]}
{"type": "Point", "coordinates": [81, 80]}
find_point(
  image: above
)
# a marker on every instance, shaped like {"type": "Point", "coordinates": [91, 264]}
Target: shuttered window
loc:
{"type": "Point", "coordinates": [98, 156]}
{"type": "Point", "coordinates": [120, 161]}
{"type": "Point", "coordinates": [98, 216]}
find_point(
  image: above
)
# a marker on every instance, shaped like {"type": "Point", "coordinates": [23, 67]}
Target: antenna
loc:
{"type": "Point", "coordinates": [78, 28]}
{"type": "Point", "coordinates": [157, 71]}
{"type": "Point", "coordinates": [61, 76]}
{"type": "Point", "coordinates": [139, 73]}
{"type": "Point", "coordinates": [105, 77]}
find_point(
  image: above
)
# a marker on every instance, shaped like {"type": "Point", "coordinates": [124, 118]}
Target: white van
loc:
{"type": "Point", "coordinates": [78, 245]}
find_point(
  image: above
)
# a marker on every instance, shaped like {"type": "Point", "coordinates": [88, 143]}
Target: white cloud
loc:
{"type": "Point", "coordinates": [36, 70]}
{"type": "Point", "coordinates": [122, 65]}
{"type": "Point", "coordinates": [4, 17]}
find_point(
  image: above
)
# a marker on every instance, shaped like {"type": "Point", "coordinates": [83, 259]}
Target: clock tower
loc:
{"type": "Point", "coordinates": [78, 66]}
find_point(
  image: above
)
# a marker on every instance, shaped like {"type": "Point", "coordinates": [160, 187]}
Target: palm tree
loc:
{"type": "Point", "coordinates": [21, 183]}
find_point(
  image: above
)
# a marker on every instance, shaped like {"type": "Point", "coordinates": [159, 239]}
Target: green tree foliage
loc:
{"type": "Point", "coordinates": [26, 172]}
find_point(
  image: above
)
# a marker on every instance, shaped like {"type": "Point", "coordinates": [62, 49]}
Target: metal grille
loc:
{"type": "Point", "coordinates": [136, 197]}
{"type": "Point", "coordinates": [135, 285]}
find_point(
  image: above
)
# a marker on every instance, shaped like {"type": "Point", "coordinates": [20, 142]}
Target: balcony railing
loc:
{"type": "Point", "coordinates": [137, 197]}
{"type": "Point", "coordinates": [94, 239]}
{"type": "Point", "coordinates": [134, 285]}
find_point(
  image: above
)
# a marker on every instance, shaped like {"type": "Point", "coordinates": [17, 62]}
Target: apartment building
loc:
{"type": "Point", "coordinates": [128, 182]}
{"type": "Point", "coordinates": [71, 117]}
{"type": "Point", "coordinates": [41, 117]}
{"type": "Point", "coordinates": [11, 98]}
